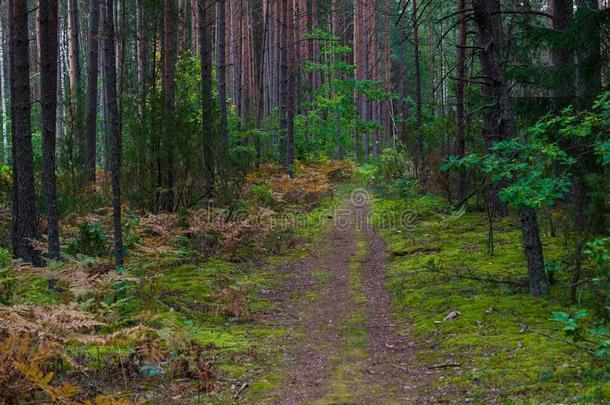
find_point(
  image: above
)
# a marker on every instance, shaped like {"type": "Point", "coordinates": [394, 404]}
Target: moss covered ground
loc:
{"type": "Point", "coordinates": [440, 263]}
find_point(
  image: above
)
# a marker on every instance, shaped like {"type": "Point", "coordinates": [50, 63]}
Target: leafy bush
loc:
{"type": "Point", "coordinates": [7, 281]}
{"type": "Point", "coordinates": [91, 241]}
{"type": "Point", "coordinates": [262, 194]}
{"type": "Point", "coordinates": [598, 251]}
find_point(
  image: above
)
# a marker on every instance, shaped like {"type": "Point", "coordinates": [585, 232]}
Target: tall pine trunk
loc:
{"type": "Point", "coordinates": [222, 84]}
{"type": "Point", "coordinates": [169, 99]}
{"type": "Point", "coordinates": [459, 96]}
{"type": "Point", "coordinates": [419, 142]}
{"type": "Point", "coordinates": [24, 194]}
{"type": "Point", "coordinates": [3, 96]}
{"type": "Point", "coordinates": [207, 106]}
{"type": "Point", "coordinates": [290, 90]}
{"type": "Point", "coordinates": [113, 128]}
{"type": "Point", "coordinates": [92, 74]}
{"type": "Point", "coordinates": [75, 114]}
{"type": "Point", "coordinates": [47, 14]}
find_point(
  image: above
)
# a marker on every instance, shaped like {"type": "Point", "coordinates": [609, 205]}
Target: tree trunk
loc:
{"type": "Point", "coordinates": [207, 107]}
{"type": "Point", "coordinates": [141, 55]}
{"type": "Point", "coordinates": [488, 23]}
{"type": "Point", "coordinates": [3, 109]}
{"type": "Point", "coordinates": [290, 90]}
{"type": "Point", "coordinates": [590, 59]}
{"type": "Point", "coordinates": [222, 85]}
{"type": "Point", "coordinates": [283, 79]}
{"type": "Point", "coordinates": [459, 97]}
{"type": "Point", "coordinates": [562, 59]}
{"type": "Point", "coordinates": [24, 194]}
{"type": "Point", "coordinates": [75, 82]}
{"type": "Point", "coordinates": [364, 51]}
{"type": "Point", "coordinates": [538, 281]}
{"type": "Point", "coordinates": [92, 73]}
{"type": "Point", "coordinates": [419, 143]}
{"type": "Point", "coordinates": [113, 128]}
{"type": "Point", "coordinates": [402, 70]}
{"type": "Point", "coordinates": [169, 94]}
{"type": "Point", "coordinates": [47, 14]}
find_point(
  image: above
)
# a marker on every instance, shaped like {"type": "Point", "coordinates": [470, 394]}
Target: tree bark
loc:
{"type": "Point", "coordinates": [485, 17]}
{"type": "Point", "coordinates": [290, 90]}
{"type": "Point", "coordinates": [283, 82]}
{"type": "Point", "coordinates": [75, 82]}
{"type": "Point", "coordinates": [113, 128]}
{"type": "Point", "coordinates": [562, 59]}
{"type": "Point", "coordinates": [402, 70]}
{"type": "Point", "coordinates": [169, 93]}
{"type": "Point", "coordinates": [47, 14]}
{"type": "Point", "coordinates": [590, 59]}
{"type": "Point", "coordinates": [3, 109]}
{"type": "Point", "coordinates": [538, 281]}
{"type": "Point", "coordinates": [24, 194]}
{"type": "Point", "coordinates": [207, 107]}
{"type": "Point", "coordinates": [141, 55]}
{"type": "Point", "coordinates": [419, 143]}
{"type": "Point", "coordinates": [459, 97]}
{"type": "Point", "coordinates": [222, 84]}
{"type": "Point", "coordinates": [92, 74]}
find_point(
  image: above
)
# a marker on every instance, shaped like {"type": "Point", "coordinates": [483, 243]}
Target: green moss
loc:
{"type": "Point", "coordinates": [429, 276]}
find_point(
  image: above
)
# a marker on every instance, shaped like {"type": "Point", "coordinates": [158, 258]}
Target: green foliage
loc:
{"type": "Point", "coordinates": [598, 251]}
{"type": "Point", "coordinates": [91, 241]}
{"type": "Point", "coordinates": [596, 338]}
{"type": "Point", "coordinates": [328, 126]}
{"type": "Point", "coordinates": [5, 183]}
{"type": "Point", "coordinates": [7, 279]}
{"type": "Point", "coordinates": [535, 170]}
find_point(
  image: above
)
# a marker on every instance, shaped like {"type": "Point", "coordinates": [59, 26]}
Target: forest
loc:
{"type": "Point", "coordinates": [304, 201]}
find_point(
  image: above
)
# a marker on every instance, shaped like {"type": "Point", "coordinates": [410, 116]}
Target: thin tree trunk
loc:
{"type": "Point", "coordinates": [222, 84]}
{"type": "Point", "coordinates": [590, 59]}
{"type": "Point", "coordinates": [419, 144]}
{"type": "Point", "coordinates": [562, 59]}
{"type": "Point", "coordinates": [92, 74]}
{"type": "Point", "coordinates": [75, 83]}
{"type": "Point", "coordinates": [169, 94]}
{"type": "Point", "coordinates": [402, 69]}
{"type": "Point", "coordinates": [283, 81]}
{"type": "Point", "coordinates": [459, 96]}
{"type": "Point", "coordinates": [141, 55]}
{"type": "Point", "coordinates": [290, 90]}
{"type": "Point", "coordinates": [47, 14]}
{"type": "Point", "coordinates": [24, 194]}
{"type": "Point", "coordinates": [207, 107]}
{"type": "Point", "coordinates": [3, 109]}
{"type": "Point", "coordinates": [364, 50]}
{"type": "Point", "coordinates": [114, 128]}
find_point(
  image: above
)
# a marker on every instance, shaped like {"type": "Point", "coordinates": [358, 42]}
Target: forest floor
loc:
{"type": "Point", "coordinates": [343, 345]}
{"type": "Point", "coordinates": [315, 291]}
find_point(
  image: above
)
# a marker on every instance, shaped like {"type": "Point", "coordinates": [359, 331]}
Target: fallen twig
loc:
{"type": "Point", "coordinates": [240, 390]}
{"type": "Point", "coordinates": [444, 365]}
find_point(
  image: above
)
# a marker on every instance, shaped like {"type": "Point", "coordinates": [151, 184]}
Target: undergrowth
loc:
{"type": "Point", "coordinates": [176, 324]}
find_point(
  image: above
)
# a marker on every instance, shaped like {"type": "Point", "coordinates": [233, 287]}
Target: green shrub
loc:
{"type": "Point", "coordinates": [91, 241]}
{"type": "Point", "coordinates": [7, 281]}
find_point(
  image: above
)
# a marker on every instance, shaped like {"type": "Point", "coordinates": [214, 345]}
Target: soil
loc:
{"type": "Point", "coordinates": [343, 346]}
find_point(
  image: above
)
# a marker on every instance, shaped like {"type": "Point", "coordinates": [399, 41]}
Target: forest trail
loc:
{"type": "Point", "coordinates": [342, 346]}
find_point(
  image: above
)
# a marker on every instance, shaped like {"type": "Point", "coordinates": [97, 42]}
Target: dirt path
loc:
{"type": "Point", "coordinates": [342, 347]}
